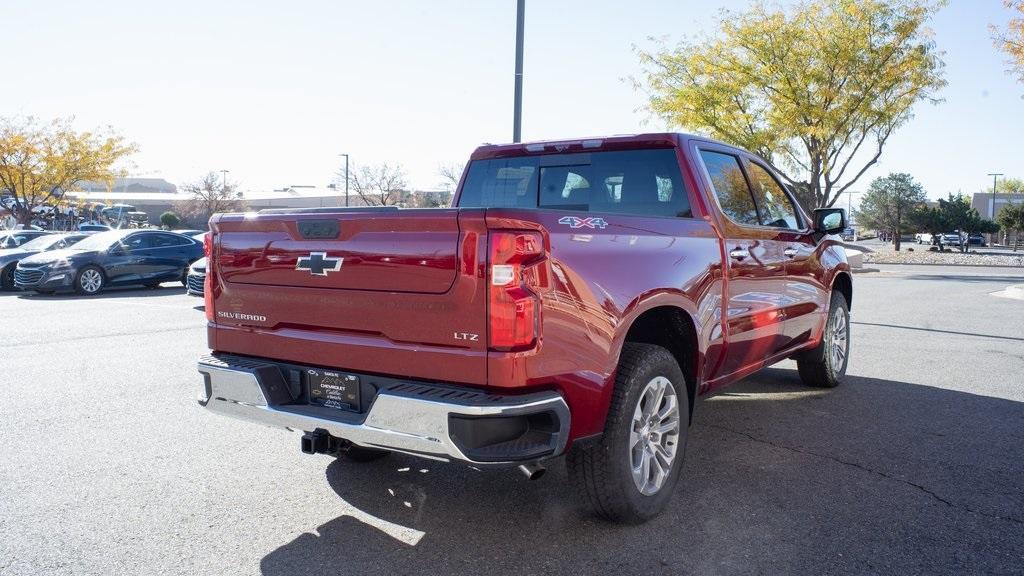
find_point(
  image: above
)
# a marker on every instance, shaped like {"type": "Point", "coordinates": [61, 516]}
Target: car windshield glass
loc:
{"type": "Point", "coordinates": [42, 242]}
{"type": "Point", "coordinates": [100, 241]}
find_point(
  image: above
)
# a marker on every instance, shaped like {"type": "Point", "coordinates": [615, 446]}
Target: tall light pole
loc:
{"type": "Point", "coordinates": [517, 112]}
{"type": "Point", "coordinates": [849, 210]}
{"type": "Point", "coordinates": [992, 202]}
{"type": "Point", "coordinates": [346, 178]}
{"type": "Point", "coordinates": [224, 181]}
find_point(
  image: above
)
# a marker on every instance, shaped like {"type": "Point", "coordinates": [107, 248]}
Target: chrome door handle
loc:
{"type": "Point", "coordinates": [790, 252]}
{"type": "Point", "coordinates": [739, 254]}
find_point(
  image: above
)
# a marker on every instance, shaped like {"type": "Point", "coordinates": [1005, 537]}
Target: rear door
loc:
{"type": "Point", "coordinates": [756, 267]}
{"type": "Point", "coordinates": [167, 255]}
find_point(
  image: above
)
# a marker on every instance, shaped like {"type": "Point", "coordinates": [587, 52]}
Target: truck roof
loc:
{"type": "Point", "coordinates": [591, 144]}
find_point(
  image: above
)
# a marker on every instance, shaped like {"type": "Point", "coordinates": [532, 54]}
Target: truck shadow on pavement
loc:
{"type": "Point", "coordinates": [874, 476]}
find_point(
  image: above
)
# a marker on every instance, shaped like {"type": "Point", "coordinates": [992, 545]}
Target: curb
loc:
{"type": "Point", "coordinates": [940, 264]}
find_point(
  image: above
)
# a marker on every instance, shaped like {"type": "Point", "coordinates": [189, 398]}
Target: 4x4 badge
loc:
{"type": "Point", "coordinates": [577, 222]}
{"type": "Point", "coordinates": [318, 263]}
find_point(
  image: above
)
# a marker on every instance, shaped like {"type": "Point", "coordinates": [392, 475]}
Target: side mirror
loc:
{"type": "Point", "coordinates": [829, 220]}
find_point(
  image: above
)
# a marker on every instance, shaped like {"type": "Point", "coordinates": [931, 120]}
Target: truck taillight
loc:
{"type": "Point", "coordinates": [208, 279]}
{"type": "Point", "coordinates": [513, 306]}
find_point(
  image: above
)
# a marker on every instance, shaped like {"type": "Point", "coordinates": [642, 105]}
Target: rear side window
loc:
{"type": "Point", "coordinates": [636, 182]}
{"type": "Point", "coordinates": [730, 187]}
{"type": "Point", "coordinates": [167, 240]}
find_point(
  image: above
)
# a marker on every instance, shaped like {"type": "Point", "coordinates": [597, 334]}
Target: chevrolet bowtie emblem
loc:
{"type": "Point", "coordinates": [318, 263]}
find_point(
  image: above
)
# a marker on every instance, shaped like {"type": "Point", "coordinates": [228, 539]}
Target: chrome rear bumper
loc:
{"type": "Point", "coordinates": [409, 417]}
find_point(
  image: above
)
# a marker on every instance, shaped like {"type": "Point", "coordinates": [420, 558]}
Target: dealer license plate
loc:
{"type": "Point", "coordinates": [333, 389]}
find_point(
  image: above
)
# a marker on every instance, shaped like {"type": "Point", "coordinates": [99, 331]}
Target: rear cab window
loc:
{"type": "Point", "coordinates": [631, 182]}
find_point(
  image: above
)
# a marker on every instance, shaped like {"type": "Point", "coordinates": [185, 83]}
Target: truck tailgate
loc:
{"type": "Point", "coordinates": [401, 290]}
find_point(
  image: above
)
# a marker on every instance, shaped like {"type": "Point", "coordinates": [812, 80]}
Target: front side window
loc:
{"type": "Point", "coordinates": [137, 242]}
{"type": "Point", "coordinates": [776, 209]}
{"type": "Point", "coordinates": [635, 182]}
{"type": "Point", "coordinates": [730, 187]}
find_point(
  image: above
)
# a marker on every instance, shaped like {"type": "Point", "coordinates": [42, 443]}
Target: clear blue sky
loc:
{"type": "Point", "coordinates": [274, 91]}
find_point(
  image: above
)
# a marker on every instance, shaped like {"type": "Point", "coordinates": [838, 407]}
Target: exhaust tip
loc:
{"type": "Point", "coordinates": [533, 470]}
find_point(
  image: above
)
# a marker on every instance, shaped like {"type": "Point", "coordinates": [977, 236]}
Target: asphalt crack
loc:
{"type": "Point", "coordinates": [885, 475]}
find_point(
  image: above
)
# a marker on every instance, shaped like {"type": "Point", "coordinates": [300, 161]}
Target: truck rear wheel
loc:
{"type": "Point", "coordinates": [630, 474]}
{"type": "Point", "coordinates": [825, 365]}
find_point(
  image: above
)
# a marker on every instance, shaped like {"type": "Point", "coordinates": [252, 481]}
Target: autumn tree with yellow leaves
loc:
{"type": "Point", "coordinates": [1011, 39]}
{"type": "Point", "coordinates": [815, 90]}
{"type": "Point", "coordinates": [40, 161]}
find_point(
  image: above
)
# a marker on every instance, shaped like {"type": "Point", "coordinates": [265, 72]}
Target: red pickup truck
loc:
{"type": "Point", "coordinates": [575, 301]}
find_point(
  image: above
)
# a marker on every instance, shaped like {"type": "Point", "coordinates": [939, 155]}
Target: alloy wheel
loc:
{"type": "Point", "coordinates": [91, 280]}
{"type": "Point", "coordinates": [839, 339]}
{"type": "Point", "coordinates": [654, 435]}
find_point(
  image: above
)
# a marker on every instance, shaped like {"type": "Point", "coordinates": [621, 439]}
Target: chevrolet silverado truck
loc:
{"type": "Point", "coordinates": [574, 301]}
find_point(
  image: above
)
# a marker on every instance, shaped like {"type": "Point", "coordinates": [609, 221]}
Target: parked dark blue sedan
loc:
{"type": "Point", "coordinates": [115, 258]}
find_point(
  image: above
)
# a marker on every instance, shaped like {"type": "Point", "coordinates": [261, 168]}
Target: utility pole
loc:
{"type": "Point", "coordinates": [346, 178]}
{"type": "Point", "coordinates": [517, 113]}
{"type": "Point", "coordinates": [224, 181]}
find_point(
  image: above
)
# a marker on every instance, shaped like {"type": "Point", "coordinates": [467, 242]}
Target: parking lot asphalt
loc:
{"type": "Point", "coordinates": [915, 465]}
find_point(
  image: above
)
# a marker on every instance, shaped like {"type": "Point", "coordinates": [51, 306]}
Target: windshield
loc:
{"type": "Point", "coordinates": [100, 241]}
{"type": "Point", "coordinates": [42, 243]}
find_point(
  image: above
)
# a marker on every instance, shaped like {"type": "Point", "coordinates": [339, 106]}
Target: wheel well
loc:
{"type": "Point", "coordinates": [844, 286]}
{"type": "Point", "coordinates": [671, 328]}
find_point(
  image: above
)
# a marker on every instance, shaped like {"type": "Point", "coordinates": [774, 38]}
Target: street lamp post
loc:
{"type": "Point", "coordinates": [224, 181]}
{"type": "Point", "coordinates": [992, 201]}
{"type": "Point", "coordinates": [517, 111]}
{"type": "Point", "coordinates": [346, 178]}
{"type": "Point", "coordinates": [849, 209]}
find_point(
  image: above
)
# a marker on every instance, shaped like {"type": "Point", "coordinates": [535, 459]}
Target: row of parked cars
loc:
{"type": "Point", "coordinates": [88, 262]}
{"type": "Point", "coordinates": [950, 239]}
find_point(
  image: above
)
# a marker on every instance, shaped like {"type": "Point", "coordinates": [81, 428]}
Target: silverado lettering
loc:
{"type": "Point", "coordinates": [697, 269]}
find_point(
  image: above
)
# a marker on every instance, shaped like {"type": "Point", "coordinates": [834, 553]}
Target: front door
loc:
{"type": "Point", "coordinates": [755, 269]}
{"type": "Point", "coordinates": [803, 298]}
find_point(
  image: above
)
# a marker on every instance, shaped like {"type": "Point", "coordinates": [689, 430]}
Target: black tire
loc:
{"type": "Point", "coordinates": [819, 367]}
{"type": "Point", "coordinates": [184, 276]}
{"type": "Point", "coordinates": [84, 272]}
{"type": "Point", "coordinates": [360, 454]}
{"type": "Point", "coordinates": [602, 472]}
{"type": "Point", "coordinates": [7, 277]}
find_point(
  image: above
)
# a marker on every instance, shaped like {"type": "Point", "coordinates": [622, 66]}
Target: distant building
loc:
{"type": "Point", "coordinates": [989, 205]}
{"type": "Point", "coordinates": [130, 186]}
